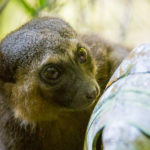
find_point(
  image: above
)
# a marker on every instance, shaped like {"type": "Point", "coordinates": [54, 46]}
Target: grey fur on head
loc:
{"type": "Point", "coordinates": [20, 48]}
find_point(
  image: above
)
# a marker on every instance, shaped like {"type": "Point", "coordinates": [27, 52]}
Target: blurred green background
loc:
{"type": "Point", "coordinates": [120, 21]}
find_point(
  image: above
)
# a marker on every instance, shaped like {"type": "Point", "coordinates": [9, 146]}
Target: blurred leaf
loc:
{"type": "Point", "coordinates": [42, 2]}
{"type": "Point", "coordinates": [3, 4]}
{"type": "Point", "coordinates": [55, 5]}
{"type": "Point", "coordinates": [28, 8]}
{"type": "Point", "coordinates": [39, 6]}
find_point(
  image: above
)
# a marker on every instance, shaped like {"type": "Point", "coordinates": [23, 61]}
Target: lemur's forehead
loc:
{"type": "Point", "coordinates": [63, 53]}
{"type": "Point", "coordinates": [72, 45]}
{"type": "Point", "coordinates": [55, 41]}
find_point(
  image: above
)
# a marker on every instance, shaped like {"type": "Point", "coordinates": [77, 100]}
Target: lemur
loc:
{"type": "Point", "coordinates": [49, 85]}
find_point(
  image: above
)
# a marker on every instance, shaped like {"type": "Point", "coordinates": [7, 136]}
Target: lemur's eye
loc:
{"type": "Point", "coordinates": [82, 55]}
{"type": "Point", "coordinates": [50, 73]}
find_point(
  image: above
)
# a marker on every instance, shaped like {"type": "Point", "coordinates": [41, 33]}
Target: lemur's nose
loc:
{"type": "Point", "coordinates": [93, 93]}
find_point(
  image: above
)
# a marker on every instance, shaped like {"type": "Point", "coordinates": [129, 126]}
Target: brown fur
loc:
{"type": "Point", "coordinates": [38, 114]}
{"type": "Point", "coordinates": [107, 55]}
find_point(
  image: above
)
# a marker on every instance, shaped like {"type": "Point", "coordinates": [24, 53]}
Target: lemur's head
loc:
{"type": "Point", "coordinates": [49, 68]}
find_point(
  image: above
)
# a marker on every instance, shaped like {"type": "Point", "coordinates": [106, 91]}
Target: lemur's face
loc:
{"type": "Point", "coordinates": [55, 72]}
{"type": "Point", "coordinates": [62, 80]}
{"type": "Point", "coordinates": [67, 78]}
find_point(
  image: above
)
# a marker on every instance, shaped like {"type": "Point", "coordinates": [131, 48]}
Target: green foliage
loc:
{"type": "Point", "coordinates": [37, 6]}
{"type": "Point", "coordinates": [3, 4]}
